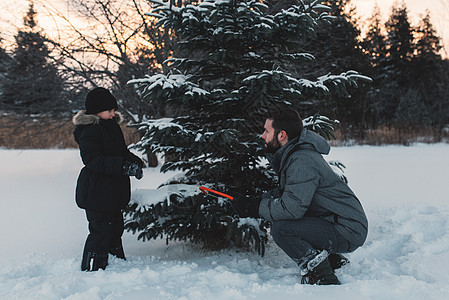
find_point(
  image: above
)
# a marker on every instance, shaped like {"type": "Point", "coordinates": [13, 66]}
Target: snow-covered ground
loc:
{"type": "Point", "coordinates": [405, 192]}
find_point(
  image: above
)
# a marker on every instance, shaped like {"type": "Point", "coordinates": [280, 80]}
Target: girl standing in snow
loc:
{"type": "Point", "coordinates": [103, 187]}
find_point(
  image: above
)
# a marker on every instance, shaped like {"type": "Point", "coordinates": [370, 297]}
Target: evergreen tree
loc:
{"type": "Point", "coordinates": [411, 110]}
{"type": "Point", "coordinates": [32, 84]}
{"type": "Point", "coordinates": [345, 46]}
{"type": "Point", "coordinates": [374, 44]}
{"type": "Point", "coordinates": [396, 69]}
{"type": "Point", "coordinates": [400, 47]}
{"type": "Point", "coordinates": [408, 75]}
{"type": "Point", "coordinates": [337, 48]}
{"type": "Point", "coordinates": [5, 62]}
{"type": "Point", "coordinates": [428, 74]}
{"type": "Point", "coordinates": [232, 70]}
{"type": "Point", "coordinates": [429, 43]}
{"type": "Point", "coordinates": [442, 109]}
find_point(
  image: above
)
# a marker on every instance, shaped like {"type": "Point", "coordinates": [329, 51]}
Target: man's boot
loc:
{"type": "Point", "coordinates": [318, 270]}
{"type": "Point", "coordinates": [324, 275]}
{"type": "Point", "coordinates": [337, 260]}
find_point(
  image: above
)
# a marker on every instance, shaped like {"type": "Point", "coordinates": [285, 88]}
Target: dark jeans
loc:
{"type": "Point", "coordinates": [105, 232]}
{"type": "Point", "coordinates": [300, 238]}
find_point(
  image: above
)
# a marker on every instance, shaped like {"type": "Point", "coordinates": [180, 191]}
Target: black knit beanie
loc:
{"type": "Point", "coordinates": [99, 99]}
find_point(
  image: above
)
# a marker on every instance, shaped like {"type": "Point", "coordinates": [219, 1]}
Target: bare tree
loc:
{"type": "Point", "coordinates": [109, 42]}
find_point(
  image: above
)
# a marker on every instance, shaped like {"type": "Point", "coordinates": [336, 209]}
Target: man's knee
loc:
{"type": "Point", "coordinates": [279, 230]}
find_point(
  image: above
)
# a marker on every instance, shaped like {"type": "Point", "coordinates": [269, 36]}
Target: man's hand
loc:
{"type": "Point", "coordinates": [246, 206]}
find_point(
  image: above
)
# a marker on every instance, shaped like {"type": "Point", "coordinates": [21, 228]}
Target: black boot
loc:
{"type": "Point", "coordinates": [93, 261]}
{"type": "Point", "coordinates": [337, 261]}
{"type": "Point", "coordinates": [324, 275]}
{"type": "Point", "coordinates": [87, 261]}
{"type": "Point", "coordinates": [318, 270]}
{"type": "Point", "coordinates": [118, 252]}
{"type": "Point", "coordinates": [100, 262]}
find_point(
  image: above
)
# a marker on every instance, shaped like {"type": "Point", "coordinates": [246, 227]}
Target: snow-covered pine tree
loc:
{"type": "Point", "coordinates": [227, 72]}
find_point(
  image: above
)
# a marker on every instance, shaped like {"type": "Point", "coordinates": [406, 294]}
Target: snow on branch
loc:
{"type": "Point", "coordinates": [145, 198]}
{"type": "Point", "coordinates": [321, 124]}
{"type": "Point", "coordinates": [152, 83]}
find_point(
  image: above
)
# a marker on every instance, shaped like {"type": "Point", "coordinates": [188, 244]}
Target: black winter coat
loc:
{"type": "Point", "coordinates": [101, 185]}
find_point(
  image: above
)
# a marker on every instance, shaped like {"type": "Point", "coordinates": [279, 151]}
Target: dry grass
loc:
{"type": "Point", "coordinates": [385, 135]}
{"type": "Point", "coordinates": [20, 132]}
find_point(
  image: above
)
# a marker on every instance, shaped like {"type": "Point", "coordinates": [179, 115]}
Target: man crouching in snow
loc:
{"type": "Point", "coordinates": [315, 215]}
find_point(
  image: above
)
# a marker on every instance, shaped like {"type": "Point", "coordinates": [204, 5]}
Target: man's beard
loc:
{"type": "Point", "coordinates": [273, 145]}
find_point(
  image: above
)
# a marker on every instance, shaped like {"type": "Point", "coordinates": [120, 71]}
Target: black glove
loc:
{"type": "Point", "coordinates": [132, 169]}
{"type": "Point", "coordinates": [131, 158]}
{"type": "Point", "coordinates": [246, 206]}
{"type": "Point", "coordinates": [138, 161]}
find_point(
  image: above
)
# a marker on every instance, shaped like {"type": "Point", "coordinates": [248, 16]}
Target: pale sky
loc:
{"type": "Point", "coordinates": [12, 12]}
{"type": "Point", "coordinates": [439, 13]}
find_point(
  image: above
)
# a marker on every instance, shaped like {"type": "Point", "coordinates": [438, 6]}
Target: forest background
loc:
{"type": "Point", "coordinates": [44, 79]}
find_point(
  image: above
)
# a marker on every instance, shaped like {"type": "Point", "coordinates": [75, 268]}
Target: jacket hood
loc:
{"type": "Point", "coordinates": [312, 140]}
{"type": "Point", "coordinates": [308, 140]}
{"type": "Point", "coordinates": [81, 118]}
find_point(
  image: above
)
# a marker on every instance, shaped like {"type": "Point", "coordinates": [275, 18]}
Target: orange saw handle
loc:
{"type": "Point", "coordinates": [205, 190]}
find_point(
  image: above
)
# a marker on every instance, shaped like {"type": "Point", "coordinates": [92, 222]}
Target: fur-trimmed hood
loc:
{"type": "Point", "coordinates": [81, 118]}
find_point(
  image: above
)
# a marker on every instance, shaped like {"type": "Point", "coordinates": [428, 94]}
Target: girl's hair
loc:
{"type": "Point", "coordinates": [287, 120]}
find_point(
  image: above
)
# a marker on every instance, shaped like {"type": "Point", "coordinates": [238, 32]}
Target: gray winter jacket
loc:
{"type": "Point", "coordinates": [309, 187]}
